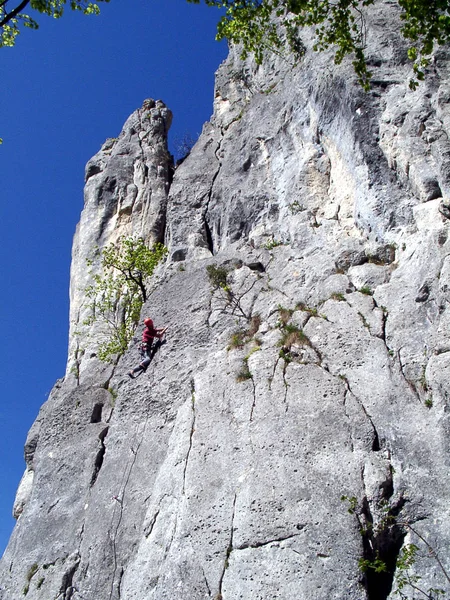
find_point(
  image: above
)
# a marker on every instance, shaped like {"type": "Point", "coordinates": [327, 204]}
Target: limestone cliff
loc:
{"type": "Point", "coordinates": [295, 427]}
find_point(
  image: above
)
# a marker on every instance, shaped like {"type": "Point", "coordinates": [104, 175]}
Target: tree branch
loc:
{"type": "Point", "coordinates": [138, 281]}
{"type": "Point", "coordinates": [14, 12]}
{"type": "Point", "coordinates": [431, 550]}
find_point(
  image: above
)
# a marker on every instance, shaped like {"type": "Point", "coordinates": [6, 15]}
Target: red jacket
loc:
{"type": "Point", "coordinates": [148, 334]}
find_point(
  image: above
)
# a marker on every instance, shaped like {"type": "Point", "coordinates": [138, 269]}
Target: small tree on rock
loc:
{"type": "Point", "coordinates": [119, 291]}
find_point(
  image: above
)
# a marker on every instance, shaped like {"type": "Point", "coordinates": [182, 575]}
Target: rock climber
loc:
{"type": "Point", "coordinates": [148, 335]}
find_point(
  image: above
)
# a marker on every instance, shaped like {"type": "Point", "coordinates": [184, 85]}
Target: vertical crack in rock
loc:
{"type": "Point", "coordinates": [191, 435]}
{"type": "Point", "coordinates": [352, 445]}
{"type": "Point", "coordinates": [271, 378]}
{"type": "Point", "coordinates": [120, 499]}
{"type": "Point", "coordinates": [148, 530]}
{"type": "Point", "coordinates": [229, 548]}
{"type": "Point", "coordinates": [384, 317]}
{"type": "Point", "coordinates": [382, 539]}
{"type": "Point", "coordinates": [100, 455]}
{"type": "Point", "coordinates": [75, 369]}
{"type": "Point", "coordinates": [410, 384]}
{"type": "Point", "coordinates": [210, 309]}
{"type": "Point", "coordinates": [254, 399]}
{"type": "Point", "coordinates": [286, 385]}
{"type": "Point", "coordinates": [375, 440]}
{"type": "Point", "coordinates": [384, 544]}
{"type": "Point", "coordinates": [169, 545]}
{"type": "Point", "coordinates": [209, 238]}
{"type": "Point", "coordinates": [206, 583]}
{"type": "Point", "coordinates": [119, 583]}
{"type": "Point", "coordinates": [208, 233]}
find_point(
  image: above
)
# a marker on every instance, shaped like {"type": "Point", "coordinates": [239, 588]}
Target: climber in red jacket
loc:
{"type": "Point", "coordinates": [148, 335]}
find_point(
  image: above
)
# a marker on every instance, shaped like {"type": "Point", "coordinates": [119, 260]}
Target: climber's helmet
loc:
{"type": "Point", "coordinates": [148, 322]}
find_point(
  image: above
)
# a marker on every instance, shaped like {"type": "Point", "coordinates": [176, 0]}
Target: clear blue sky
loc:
{"type": "Point", "coordinates": [64, 90]}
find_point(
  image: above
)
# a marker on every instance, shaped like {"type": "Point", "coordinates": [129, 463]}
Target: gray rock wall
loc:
{"type": "Point", "coordinates": [220, 473]}
{"type": "Point", "coordinates": [127, 185]}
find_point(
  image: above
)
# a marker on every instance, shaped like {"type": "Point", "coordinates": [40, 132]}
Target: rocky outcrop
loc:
{"type": "Point", "coordinates": [127, 185]}
{"type": "Point", "coordinates": [293, 430]}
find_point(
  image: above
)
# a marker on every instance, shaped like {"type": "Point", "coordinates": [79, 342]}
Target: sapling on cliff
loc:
{"type": "Point", "coordinates": [220, 280]}
{"type": "Point", "coordinates": [119, 291]}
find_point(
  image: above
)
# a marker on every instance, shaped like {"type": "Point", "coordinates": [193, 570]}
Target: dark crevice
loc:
{"type": "Point", "coordinates": [119, 583]}
{"type": "Point", "coordinates": [52, 506]}
{"type": "Point", "coordinates": [395, 509]}
{"type": "Point", "coordinates": [209, 239]}
{"type": "Point", "coordinates": [424, 293]}
{"type": "Point", "coordinates": [96, 415]}
{"type": "Point", "coordinates": [208, 233]}
{"type": "Point", "coordinates": [376, 440]}
{"type": "Point", "coordinates": [100, 456]}
{"type": "Point", "coordinates": [30, 449]}
{"type": "Point", "coordinates": [247, 164]}
{"type": "Point", "coordinates": [387, 488]}
{"type": "Point", "coordinates": [179, 255]}
{"type": "Point", "coordinates": [97, 464]}
{"type": "Point", "coordinates": [91, 170]}
{"type": "Point", "coordinates": [383, 327]}
{"type": "Point", "coordinates": [149, 528]}
{"type": "Point", "coordinates": [382, 544]}
{"type": "Point", "coordinates": [256, 266]}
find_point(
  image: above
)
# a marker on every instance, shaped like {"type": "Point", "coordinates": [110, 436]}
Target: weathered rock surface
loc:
{"type": "Point", "coordinates": [220, 472]}
{"type": "Point", "coordinates": [126, 191]}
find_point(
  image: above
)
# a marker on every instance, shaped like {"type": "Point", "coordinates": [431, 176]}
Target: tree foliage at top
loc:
{"type": "Point", "coordinates": [339, 24]}
{"type": "Point", "coordinates": [12, 17]}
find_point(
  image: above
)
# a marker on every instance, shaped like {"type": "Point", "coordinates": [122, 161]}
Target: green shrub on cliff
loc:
{"type": "Point", "coordinates": [336, 24]}
{"type": "Point", "coordinates": [119, 291]}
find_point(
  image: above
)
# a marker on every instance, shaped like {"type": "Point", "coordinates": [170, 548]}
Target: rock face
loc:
{"type": "Point", "coordinates": [127, 185]}
{"type": "Point", "coordinates": [294, 429]}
